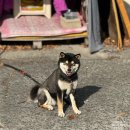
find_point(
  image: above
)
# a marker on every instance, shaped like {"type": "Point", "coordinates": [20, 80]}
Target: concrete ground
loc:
{"type": "Point", "coordinates": [103, 91]}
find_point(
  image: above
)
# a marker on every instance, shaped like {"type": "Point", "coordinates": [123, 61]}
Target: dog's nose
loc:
{"type": "Point", "coordinates": [69, 70]}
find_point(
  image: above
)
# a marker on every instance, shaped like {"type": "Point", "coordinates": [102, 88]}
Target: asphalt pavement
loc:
{"type": "Point", "coordinates": [103, 92]}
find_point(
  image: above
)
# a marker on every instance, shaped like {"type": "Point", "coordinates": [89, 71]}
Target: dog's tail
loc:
{"type": "Point", "coordinates": [34, 92]}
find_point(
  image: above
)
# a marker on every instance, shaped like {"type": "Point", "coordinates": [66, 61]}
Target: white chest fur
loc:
{"type": "Point", "coordinates": [67, 86]}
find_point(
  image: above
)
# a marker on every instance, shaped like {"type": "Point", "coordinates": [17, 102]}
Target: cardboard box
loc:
{"type": "Point", "coordinates": [70, 23]}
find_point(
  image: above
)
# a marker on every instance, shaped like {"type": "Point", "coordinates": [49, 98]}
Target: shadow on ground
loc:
{"type": "Point", "coordinates": [82, 94]}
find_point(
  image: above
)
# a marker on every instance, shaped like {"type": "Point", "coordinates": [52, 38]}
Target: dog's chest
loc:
{"type": "Point", "coordinates": [63, 85]}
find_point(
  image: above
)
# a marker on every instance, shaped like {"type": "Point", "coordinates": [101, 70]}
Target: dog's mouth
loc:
{"type": "Point", "coordinates": [68, 73]}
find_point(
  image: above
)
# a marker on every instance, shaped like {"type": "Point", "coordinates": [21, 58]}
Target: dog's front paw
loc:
{"type": "Point", "coordinates": [61, 114]}
{"type": "Point", "coordinates": [78, 112]}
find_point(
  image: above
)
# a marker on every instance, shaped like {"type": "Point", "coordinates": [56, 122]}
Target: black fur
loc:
{"type": "Point", "coordinates": [33, 92]}
{"type": "Point", "coordinates": [51, 84]}
{"type": "Point", "coordinates": [41, 98]}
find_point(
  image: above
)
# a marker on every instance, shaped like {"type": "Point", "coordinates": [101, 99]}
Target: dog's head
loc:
{"type": "Point", "coordinates": [69, 63]}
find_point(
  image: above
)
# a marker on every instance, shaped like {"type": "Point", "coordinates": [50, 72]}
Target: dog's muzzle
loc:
{"type": "Point", "coordinates": [69, 72]}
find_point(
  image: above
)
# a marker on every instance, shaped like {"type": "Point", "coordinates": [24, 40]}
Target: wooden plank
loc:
{"type": "Point", "coordinates": [46, 9]}
{"type": "Point", "coordinates": [38, 38]}
{"type": "Point", "coordinates": [117, 24]}
{"type": "Point", "coordinates": [124, 15]}
{"type": "Point", "coordinates": [16, 7]}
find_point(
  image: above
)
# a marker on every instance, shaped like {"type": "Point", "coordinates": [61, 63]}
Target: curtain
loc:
{"type": "Point", "coordinates": [5, 6]}
{"type": "Point", "coordinates": [94, 33]}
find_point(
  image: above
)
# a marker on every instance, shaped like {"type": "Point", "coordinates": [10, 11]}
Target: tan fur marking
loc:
{"type": "Point", "coordinates": [59, 104]}
{"type": "Point", "coordinates": [72, 62]}
{"type": "Point", "coordinates": [60, 107]}
{"type": "Point", "coordinates": [67, 62]}
{"type": "Point", "coordinates": [46, 106]}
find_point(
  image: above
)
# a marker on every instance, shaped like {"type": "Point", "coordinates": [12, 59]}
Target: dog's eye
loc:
{"type": "Point", "coordinates": [73, 64]}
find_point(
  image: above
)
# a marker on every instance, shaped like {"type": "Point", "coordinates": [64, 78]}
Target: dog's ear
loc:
{"type": "Point", "coordinates": [62, 55]}
{"type": "Point", "coordinates": [78, 56]}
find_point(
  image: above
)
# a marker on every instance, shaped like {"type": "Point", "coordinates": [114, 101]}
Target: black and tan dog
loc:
{"type": "Point", "coordinates": [63, 81]}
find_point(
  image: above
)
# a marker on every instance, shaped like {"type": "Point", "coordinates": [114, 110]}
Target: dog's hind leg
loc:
{"type": "Point", "coordinates": [44, 100]}
{"type": "Point", "coordinates": [47, 106]}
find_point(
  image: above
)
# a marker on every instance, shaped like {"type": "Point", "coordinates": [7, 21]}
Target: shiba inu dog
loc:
{"type": "Point", "coordinates": [62, 82]}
